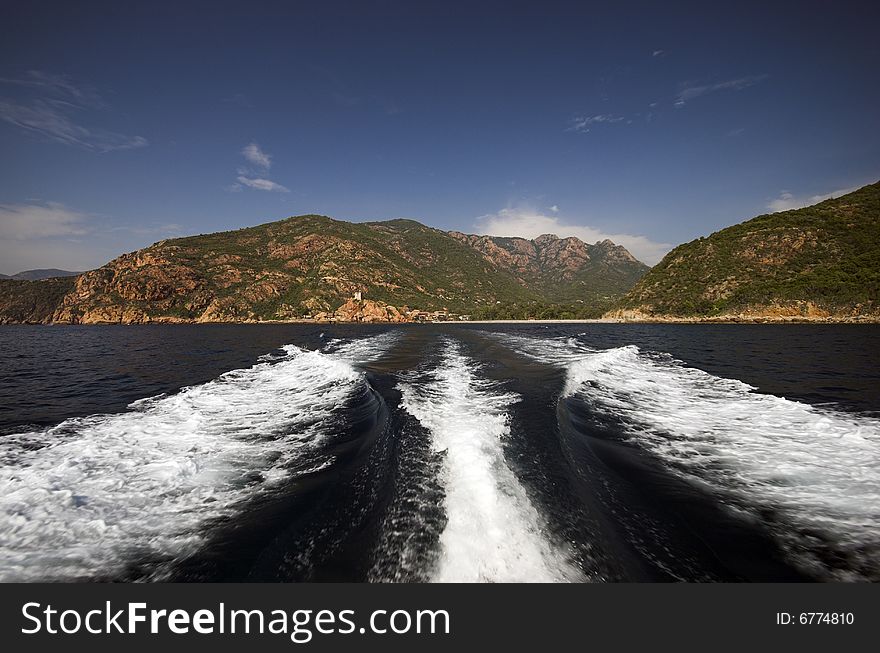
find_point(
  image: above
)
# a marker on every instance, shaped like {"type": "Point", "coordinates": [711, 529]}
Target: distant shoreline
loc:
{"type": "Point", "coordinates": [875, 320]}
{"type": "Point", "coordinates": [663, 320]}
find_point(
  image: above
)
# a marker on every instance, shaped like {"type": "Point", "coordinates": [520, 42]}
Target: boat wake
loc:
{"type": "Point", "coordinates": [812, 474]}
{"type": "Point", "coordinates": [401, 457]}
{"type": "Point", "coordinates": [96, 495]}
{"type": "Point", "coordinates": [493, 532]}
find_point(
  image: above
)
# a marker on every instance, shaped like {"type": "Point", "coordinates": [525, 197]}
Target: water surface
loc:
{"type": "Point", "coordinates": [533, 452]}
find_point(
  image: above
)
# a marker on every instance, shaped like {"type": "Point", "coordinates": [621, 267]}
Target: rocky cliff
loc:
{"type": "Point", "coordinates": [561, 269]}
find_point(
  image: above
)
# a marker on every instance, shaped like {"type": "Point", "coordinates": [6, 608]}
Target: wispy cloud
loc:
{"type": "Point", "coordinates": [584, 123]}
{"type": "Point", "coordinates": [658, 53]}
{"type": "Point", "coordinates": [787, 201]}
{"type": "Point", "coordinates": [689, 92]}
{"type": "Point", "coordinates": [52, 109]}
{"type": "Point", "coordinates": [31, 221]}
{"type": "Point", "coordinates": [52, 235]}
{"type": "Point", "coordinates": [261, 184]}
{"type": "Point", "coordinates": [255, 155]}
{"type": "Point", "coordinates": [255, 177]}
{"type": "Point", "coordinates": [526, 222]}
{"type": "Point", "coordinates": [42, 118]}
{"type": "Point", "coordinates": [58, 86]}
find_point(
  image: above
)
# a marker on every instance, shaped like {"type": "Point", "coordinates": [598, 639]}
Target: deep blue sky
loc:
{"type": "Point", "coordinates": [652, 123]}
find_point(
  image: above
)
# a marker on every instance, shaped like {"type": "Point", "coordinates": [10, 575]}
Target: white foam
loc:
{"type": "Point", "coordinates": [94, 494]}
{"type": "Point", "coordinates": [493, 532]}
{"type": "Point", "coordinates": [551, 351]}
{"type": "Point", "coordinates": [361, 351]}
{"type": "Point", "coordinates": [817, 471]}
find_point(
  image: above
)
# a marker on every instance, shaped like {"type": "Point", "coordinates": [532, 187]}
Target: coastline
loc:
{"type": "Point", "coordinates": [667, 320]}
{"type": "Point", "coordinates": [644, 320]}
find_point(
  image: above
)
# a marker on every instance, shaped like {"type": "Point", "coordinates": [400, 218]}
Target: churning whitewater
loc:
{"type": "Point", "coordinates": [447, 454]}
{"type": "Point", "coordinates": [493, 532]}
{"type": "Point", "coordinates": [816, 470]}
{"type": "Point", "coordinates": [95, 494]}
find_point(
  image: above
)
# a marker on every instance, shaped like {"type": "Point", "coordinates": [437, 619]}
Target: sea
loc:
{"type": "Point", "coordinates": [468, 452]}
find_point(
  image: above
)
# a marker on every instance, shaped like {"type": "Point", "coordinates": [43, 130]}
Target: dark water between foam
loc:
{"type": "Point", "coordinates": [440, 452]}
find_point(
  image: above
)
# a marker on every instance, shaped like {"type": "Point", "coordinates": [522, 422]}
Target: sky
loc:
{"type": "Point", "coordinates": [651, 124]}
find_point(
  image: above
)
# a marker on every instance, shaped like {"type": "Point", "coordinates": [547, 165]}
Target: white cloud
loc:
{"type": "Point", "coordinates": [787, 201]}
{"type": "Point", "coordinates": [49, 112]}
{"type": "Point", "coordinates": [262, 184]}
{"type": "Point", "coordinates": [254, 177]}
{"type": "Point", "coordinates": [554, 208]}
{"type": "Point", "coordinates": [255, 155]}
{"type": "Point", "coordinates": [658, 53]}
{"type": "Point", "coordinates": [31, 221]}
{"type": "Point", "coordinates": [690, 92]}
{"type": "Point", "coordinates": [528, 223]}
{"type": "Point", "coordinates": [51, 235]}
{"type": "Point", "coordinates": [584, 123]}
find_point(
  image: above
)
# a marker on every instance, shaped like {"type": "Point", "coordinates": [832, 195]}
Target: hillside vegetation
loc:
{"type": "Point", "coordinates": [32, 301]}
{"type": "Point", "coordinates": [819, 261]}
{"type": "Point", "coordinates": [310, 265]}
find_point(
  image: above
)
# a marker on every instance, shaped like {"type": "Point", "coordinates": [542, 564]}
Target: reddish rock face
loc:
{"type": "Point", "coordinates": [547, 258]}
{"type": "Point", "coordinates": [128, 289]}
{"type": "Point", "coordinates": [367, 311]}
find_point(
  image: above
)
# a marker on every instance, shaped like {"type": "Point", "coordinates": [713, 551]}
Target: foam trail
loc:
{"type": "Point", "coordinates": [552, 351]}
{"type": "Point", "coordinates": [814, 474]}
{"type": "Point", "coordinates": [95, 494]}
{"type": "Point", "coordinates": [363, 350]}
{"type": "Point", "coordinates": [493, 532]}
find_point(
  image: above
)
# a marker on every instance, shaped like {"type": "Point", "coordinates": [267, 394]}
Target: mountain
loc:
{"type": "Point", "coordinates": [817, 262]}
{"type": "Point", "coordinates": [313, 265]}
{"type": "Point", "coordinates": [562, 270]}
{"type": "Point", "coordinates": [36, 275]}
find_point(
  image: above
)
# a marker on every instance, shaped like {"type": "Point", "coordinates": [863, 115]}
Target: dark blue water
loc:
{"type": "Point", "coordinates": [440, 452]}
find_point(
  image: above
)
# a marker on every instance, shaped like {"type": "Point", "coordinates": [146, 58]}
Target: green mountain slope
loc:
{"type": "Point", "coordinates": [32, 301]}
{"type": "Point", "coordinates": [819, 261]}
{"type": "Point", "coordinates": [300, 266]}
